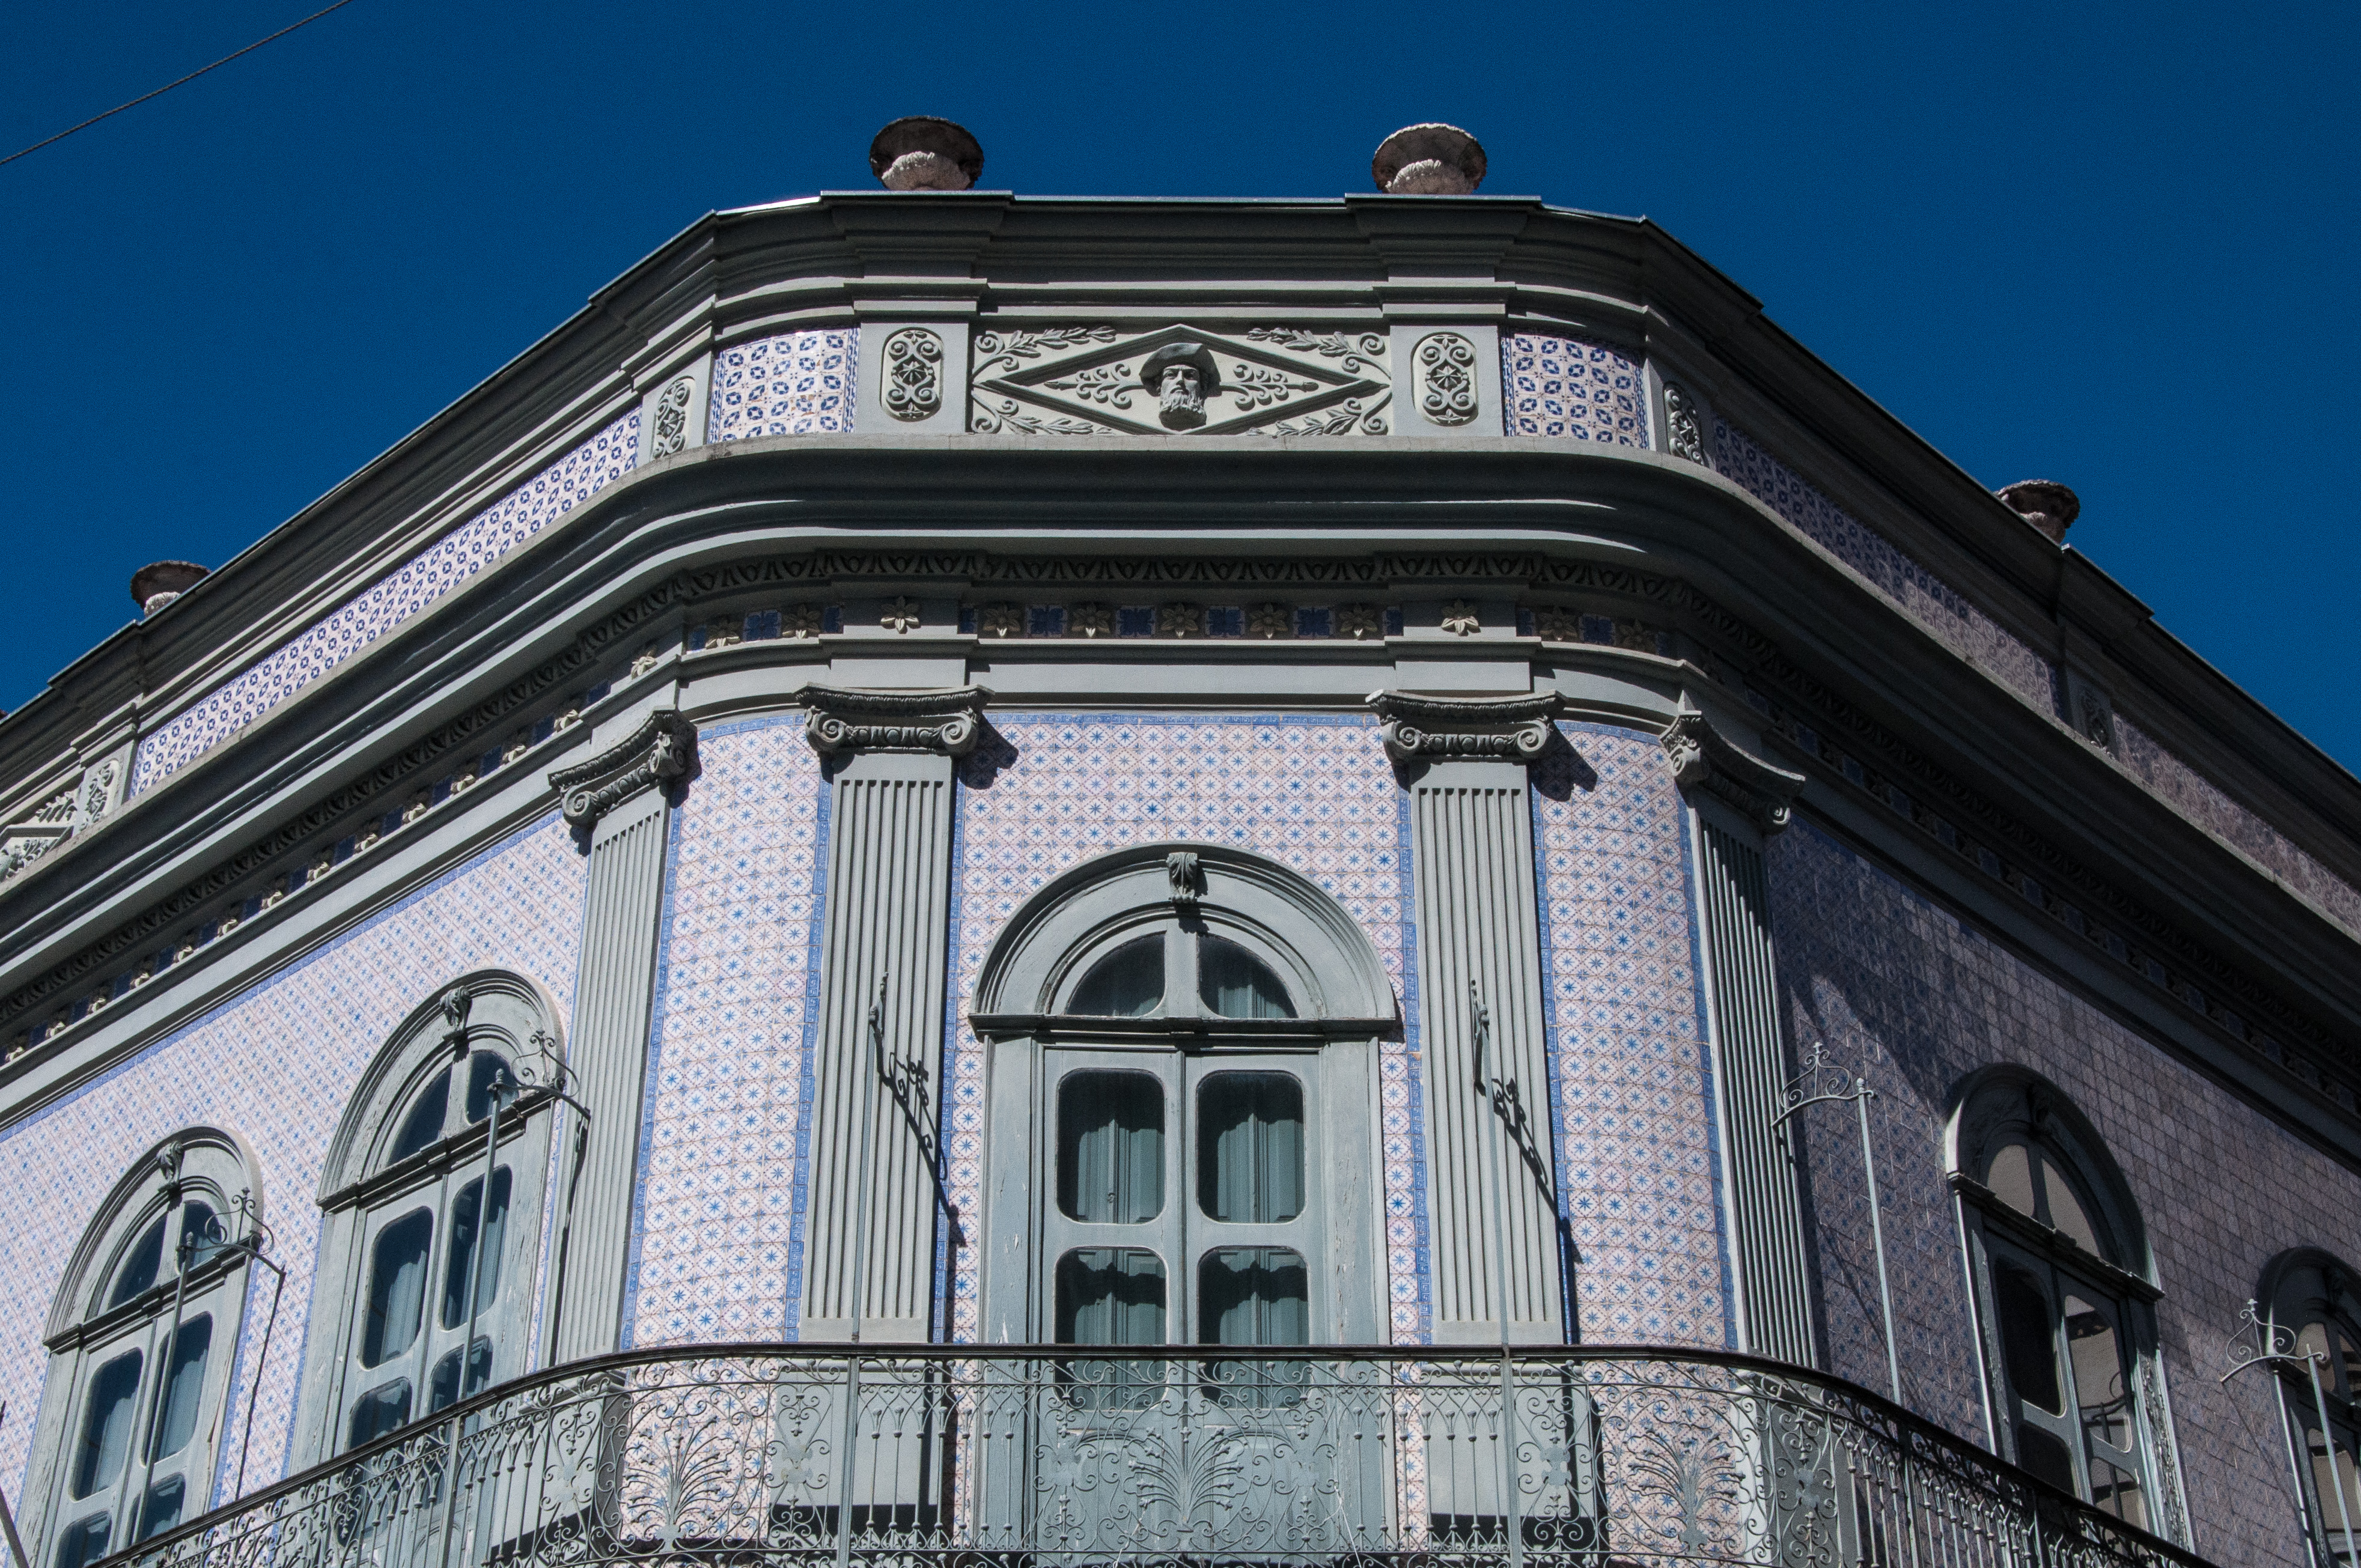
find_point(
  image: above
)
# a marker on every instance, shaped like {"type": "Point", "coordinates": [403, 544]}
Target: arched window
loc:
{"type": "Point", "coordinates": [141, 1338]}
{"type": "Point", "coordinates": [1200, 1027]}
{"type": "Point", "coordinates": [2315, 1299]}
{"type": "Point", "coordinates": [2063, 1298]}
{"type": "Point", "coordinates": [430, 1237]}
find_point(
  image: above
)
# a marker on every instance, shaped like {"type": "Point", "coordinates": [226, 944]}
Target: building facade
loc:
{"type": "Point", "coordinates": [1400, 786]}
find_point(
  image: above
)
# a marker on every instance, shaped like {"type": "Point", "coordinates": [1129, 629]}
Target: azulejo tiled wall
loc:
{"type": "Point", "coordinates": [714, 1236]}
{"type": "Point", "coordinates": [1565, 388]}
{"type": "Point", "coordinates": [1918, 999]}
{"type": "Point", "coordinates": [796, 383]}
{"type": "Point", "coordinates": [1313, 791]}
{"type": "Point", "coordinates": [1928, 600]}
{"type": "Point", "coordinates": [2203, 803]}
{"type": "Point", "coordinates": [274, 1065]}
{"type": "Point", "coordinates": [478, 544]}
{"type": "Point", "coordinates": [1631, 1086]}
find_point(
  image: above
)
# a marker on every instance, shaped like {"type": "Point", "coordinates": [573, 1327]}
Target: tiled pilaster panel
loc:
{"type": "Point", "coordinates": [1918, 999]}
{"type": "Point", "coordinates": [275, 1066]}
{"type": "Point", "coordinates": [1573, 390]}
{"type": "Point", "coordinates": [476, 544]}
{"type": "Point", "coordinates": [2200, 800]}
{"type": "Point", "coordinates": [1313, 791]}
{"type": "Point", "coordinates": [798, 383]}
{"type": "Point", "coordinates": [1927, 599]}
{"type": "Point", "coordinates": [1631, 1090]}
{"type": "Point", "coordinates": [728, 1078]}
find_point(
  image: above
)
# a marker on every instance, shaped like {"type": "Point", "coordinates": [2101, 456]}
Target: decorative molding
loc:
{"type": "Point", "coordinates": [1179, 379]}
{"type": "Point", "coordinates": [1443, 378]}
{"type": "Point", "coordinates": [1684, 432]}
{"type": "Point", "coordinates": [1438, 728]}
{"type": "Point", "coordinates": [662, 748]}
{"type": "Point", "coordinates": [899, 615]}
{"type": "Point", "coordinates": [670, 433]}
{"type": "Point", "coordinates": [840, 720]}
{"type": "Point", "coordinates": [1186, 878]}
{"type": "Point", "coordinates": [1460, 619]}
{"type": "Point", "coordinates": [1703, 758]}
{"type": "Point", "coordinates": [914, 375]}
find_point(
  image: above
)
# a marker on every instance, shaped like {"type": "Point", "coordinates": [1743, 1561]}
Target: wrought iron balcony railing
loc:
{"type": "Point", "coordinates": [1033, 1458]}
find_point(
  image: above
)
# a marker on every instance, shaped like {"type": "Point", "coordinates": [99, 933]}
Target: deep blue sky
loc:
{"type": "Point", "coordinates": [2113, 246]}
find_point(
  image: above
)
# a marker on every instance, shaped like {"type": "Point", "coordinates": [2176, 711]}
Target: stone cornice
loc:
{"type": "Point", "coordinates": [1704, 759]}
{"type": "Point", "coordinates": [662, 748]}
{"type": "Point", "coordinates": [1414, 729]}
{"type": "Point", "coordinates": [839, 721]}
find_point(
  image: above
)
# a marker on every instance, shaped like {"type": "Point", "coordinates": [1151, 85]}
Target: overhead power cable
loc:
{"type": "Point", "coordinates": [192, 76]}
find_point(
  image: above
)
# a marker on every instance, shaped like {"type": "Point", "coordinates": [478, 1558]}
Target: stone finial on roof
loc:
{"type": "Point", "coordinates": [158, 582]}
{"type": "Point", "coordinates": [2044, 503]}
{"type": "Point", "coordinates": [1428, 161]}
{"type": "Point", "coordinates": [923, 152]}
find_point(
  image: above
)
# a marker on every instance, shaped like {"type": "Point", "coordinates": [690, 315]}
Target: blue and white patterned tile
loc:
{"type": "Point", "coordinates": [714, 1236]}
{"type": "Point", "coordinates": [1314, 793]}
{"type": "Point", "coordinates": [1572, 390]}
{"type": "Point", "coordinates": [275, 1065]}
{"type": "Point", "coordinates": [474, 546]}
{"type": "Point", "coordinates": [1631, 1090]}
{"type": "Point", "coordinates": [796, 383]}
{"type": "Point", "coordinates": [1926, 598]}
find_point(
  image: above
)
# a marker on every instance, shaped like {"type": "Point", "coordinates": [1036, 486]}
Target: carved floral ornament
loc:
{"type": "Point", "coordinates": [1439, 728]}
{"type": "Point", "coordinates": [839, 721]}
{"type": "Point", "coordinates": [671, 428]}
{"type": "Point", "coordinates": [1444, 366]}
{"type": "Point", "coordinates": [1098, 381]}
{"type": "Point", "coordinates": [913, 385]}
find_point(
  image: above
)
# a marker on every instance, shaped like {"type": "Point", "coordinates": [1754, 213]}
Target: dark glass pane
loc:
{"type": "Point", "coordinates": [463, 1248]}
{"type": "Point", "coordinates": [83, 1542]}
{"type": "Point", "coordinates": [202, 1233]}
{"type": "Point", "coordinates": [1126, 983]}
{"type": "Point", "coordinates": [2026, 1329]}
{"type": "Point", "coordinates": [481, 1069]}
{"type": "Point", "coordinates": [106, 1424]}
{"type": "Point", "coordinates": [381, 1410]}
{"type": "Point", "coordinates": [1234, 983]}
{"type": "Point", "coordinates": [2066, 1209]}
{"type": "Point", "coordinates": [140, 1265]}
{"type": "Point", "coordinates": [1111, 1296]}
{"type": "Point", "coordinates": [184, 1389]}
{"type": "Point", "coordinates": [2119, 1493]}
{"type": "Point", "coordinates": [1111, 1148]}
{"type": "Point", "coordinates": [2045, 1456]}
{"type": "Point", "coordinates": [2095, 1354]}
{"type": "Point", "coordinates": [2010, 1177]}
{"type": "Point", "coordinates": [423, 1127]}
{"type": "Point", "coordinates": [442, 1389]}
{"type": "Point", "coordinates": [1255, 1295]}
{"type": "Point", "coordinates": [161, 1510]}
{"type": "Point", "coordinates": [397, 1291]}
{"type": "Point", "coordinates": [1250, 1147]}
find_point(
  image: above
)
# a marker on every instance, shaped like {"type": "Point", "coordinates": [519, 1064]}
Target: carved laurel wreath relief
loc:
{"type": "Point", "coordinates": [1180, 380]}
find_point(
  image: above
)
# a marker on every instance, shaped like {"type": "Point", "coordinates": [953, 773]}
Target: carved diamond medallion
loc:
{"type": "Point", "coordinates": [1180, 380]}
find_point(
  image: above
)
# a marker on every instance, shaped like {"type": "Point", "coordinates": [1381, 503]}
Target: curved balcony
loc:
{"type": "Point", "coordinates": [1035, 1458]}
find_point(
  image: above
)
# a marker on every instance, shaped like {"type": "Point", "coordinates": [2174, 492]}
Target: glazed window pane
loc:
{"type": "Point", "coordinates": [463, 1209]}
{"type": "Point", "coordinates": [1250, 1147]}
{"type": "Point", "coordinates": [1111, 1148]}
{"type": "Point", "coordinates": [184, 1387]}
{"type": "Point", "coordinates": [397, 1291]}
{"type": "Point", "coordinates": [106, 1424]}
{"type": "Point", "coordinates": [141, 1264]}
{"type": "Point", "coordinates": [1126, 983]}
{"type": "Point", "coordinates": [161, 1511]}
{"type": "Point", "coordinates": [1234, 983]}
{"type": "Point", "coordinates": [2025, 1328]}
{"type": "Point", "coordinates": [381, 1410]}
{"type": "Point", "coordinates": [423, 1128]}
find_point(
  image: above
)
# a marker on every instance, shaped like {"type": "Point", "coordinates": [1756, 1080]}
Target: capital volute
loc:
{"type": "Point", "coordinates": [662, 750]}
{"type": "Point", "coordinates": [842, 721]}
{"type": "Point", "coordinates": [1416, 729]}
{"type": "Point", "coordinates": [1704, 759]}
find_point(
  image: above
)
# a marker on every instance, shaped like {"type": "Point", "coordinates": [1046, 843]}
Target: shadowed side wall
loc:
{"type": "Point", "coordinates": [1919, 998]}
{"type": "Point", "coordinates": [275, 1065]}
